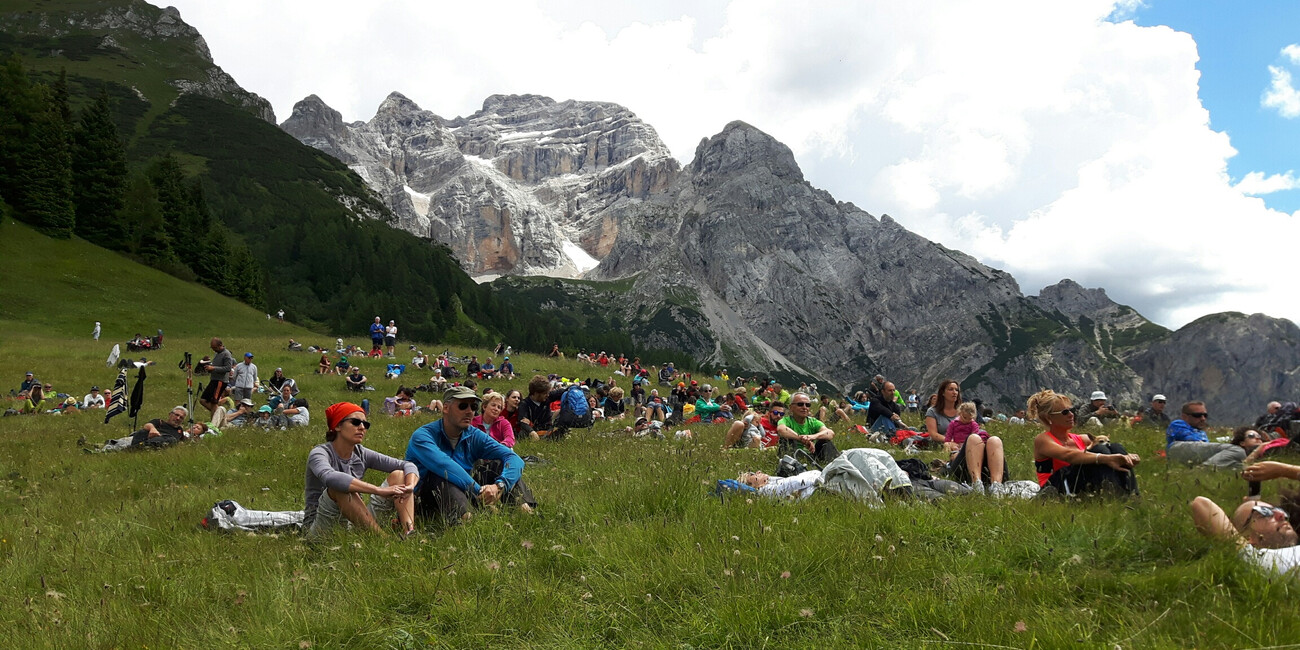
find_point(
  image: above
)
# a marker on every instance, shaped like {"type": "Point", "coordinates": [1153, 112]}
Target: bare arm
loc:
{"type": "Point", "coordinates": [1269, 470]}
{"type": "Point", "coordinates": [932, 428]}
{"type": "Point", "coordinates": [1211, 521]}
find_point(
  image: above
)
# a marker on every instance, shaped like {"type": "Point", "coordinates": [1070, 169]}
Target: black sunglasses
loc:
{"type": "Point", "coordinates": [1198, 415]}
{"type": "Point", "coordinates": [358, 422]}
{"type": "Point", "coordinates": [467, 406]}
{"type": "Point", "coordinates": [802, 404]}
{"type": "Point", "coordinates": [778, 413]}
{"type": "Point", "coordinates": [1072, 411]}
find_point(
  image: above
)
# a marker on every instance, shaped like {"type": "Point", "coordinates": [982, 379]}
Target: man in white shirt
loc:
{"type": "Point", "coordinates": [93, 399]}
{"type": "Point", "coordinates": [244, 378]}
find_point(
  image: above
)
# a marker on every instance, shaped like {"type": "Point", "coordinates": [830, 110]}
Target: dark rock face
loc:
{"type": "Point", "coordinates": [525, 185]}
{"type": "Point", "coordinates": [1233, 362]}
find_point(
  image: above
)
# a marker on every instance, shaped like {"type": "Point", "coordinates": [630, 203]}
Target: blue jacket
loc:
{"type": "Point", "coordinates": [1180, 431]}
{"type": "Point", "coordinates": [431, 452]}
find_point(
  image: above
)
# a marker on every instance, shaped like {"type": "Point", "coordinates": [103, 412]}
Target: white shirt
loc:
{"type": "Point", "coordinates": [798, 487]}
{"type": "Point", "coordinates": [391, 331]}
{"type": "Point", "coordinates": [245, 375]}
{"type": "Point", "coordinates": [1280, 560]}
{"type": "Point", "coordinates": [93, 401]}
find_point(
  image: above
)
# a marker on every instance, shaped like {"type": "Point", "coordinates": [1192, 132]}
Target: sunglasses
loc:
{"type": "Point", "coordinates": [778, 413]}
{"type": "Point", "coordinates": [802, 404]}
{"type": "Point", "coordinates": [358, 422]}
{"type": "Point", "coordinates": [467, 406]}
{"type": "Point", "coordinates": [1266, 512]}
{"type": "Point", "coordinates": [1198, 415]}
{"type": "Point", "coordinates": [1071, 411]}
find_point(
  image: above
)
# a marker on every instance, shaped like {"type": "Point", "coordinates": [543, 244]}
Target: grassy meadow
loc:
{"type": "Point", "coordinates": [627, 549]}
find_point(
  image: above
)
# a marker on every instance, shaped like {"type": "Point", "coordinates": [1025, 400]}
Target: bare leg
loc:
{"type": "Point", "coordinates": [354, 510]}
{"type": "Point", "coordinates": [733, 434]}
{"type": "Point", "coordinates": [996, 457]}
{"type": "Point", "coordinates": [405, 505]}
{"type": "Point", "coordinates": [975, 457]}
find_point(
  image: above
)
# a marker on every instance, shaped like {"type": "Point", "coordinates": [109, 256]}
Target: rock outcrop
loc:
{"type": "Point", "coordinates": [526, 185]}
{"type": "Point", "coordinates": [196, 71]}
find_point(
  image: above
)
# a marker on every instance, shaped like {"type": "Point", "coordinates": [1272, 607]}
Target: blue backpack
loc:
{"type": "Point", "coordinates": [574, 401]}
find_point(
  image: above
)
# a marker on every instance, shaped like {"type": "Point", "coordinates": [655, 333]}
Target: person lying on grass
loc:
{"type": "Point", "coordinates": [1263, 530]}
{"type": "Point", "coordinates": [1063, 460]}
{"type": "Point", "coordinates": [796, 488]}
{"type": "Point", "coordinates": [335, 469]}
{"type": "Point", "coordinates": [154, 434]}
{"type": "Point", "coordinates": [461, 466]}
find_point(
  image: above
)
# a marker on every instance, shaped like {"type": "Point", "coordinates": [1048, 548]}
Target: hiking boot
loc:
{"type": "Point", "coordinates": [997, 490]}
{"type": "Point", "coordinates": [977, 488]}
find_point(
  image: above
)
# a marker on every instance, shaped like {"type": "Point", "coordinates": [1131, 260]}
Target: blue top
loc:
{"type": "Point", "coordinates": [1180, 431]}
{"type": "Point", "coordinates": [376, 330]}
{"type": "Point", "coordinates": [432, 453]}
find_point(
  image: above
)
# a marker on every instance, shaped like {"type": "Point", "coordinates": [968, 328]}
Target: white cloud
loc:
{"type": "Point", "coordinates": [1257, 183]}
{"type": "Point", "coordinates": [1039, 136]}
{"type": "Point", "coordinates": [1282, 93]}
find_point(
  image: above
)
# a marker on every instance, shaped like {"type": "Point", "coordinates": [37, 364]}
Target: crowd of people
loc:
{"type": "Point", "coordinates": [465, 459]}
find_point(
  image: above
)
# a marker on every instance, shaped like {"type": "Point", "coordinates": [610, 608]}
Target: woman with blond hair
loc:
{"type": "Point", "coordinates": [491, 420]}
{"type": "Point", "coordinates": [1063, 460]}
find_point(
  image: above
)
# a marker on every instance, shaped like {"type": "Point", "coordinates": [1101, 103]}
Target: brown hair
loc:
{"type": "Point", "coordinates": [1187, 406]}
{"type": "Point", "coordinates": [538, 385]}
{"type": "Point", "coordinates": [939, 399]}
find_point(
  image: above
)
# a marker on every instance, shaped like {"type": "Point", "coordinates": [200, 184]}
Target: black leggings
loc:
{"type": "Point", "coordinates": [1084, 479]}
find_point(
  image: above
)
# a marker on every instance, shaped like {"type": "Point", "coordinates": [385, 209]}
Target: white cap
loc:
{"type": "Point", "coordinates": [1096, 394]}
{"type": "Point", "coordinates": [1159, 398]}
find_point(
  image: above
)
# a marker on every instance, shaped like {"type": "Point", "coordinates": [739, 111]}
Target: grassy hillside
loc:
{"type": "Point", "coordinates": [626, 550]}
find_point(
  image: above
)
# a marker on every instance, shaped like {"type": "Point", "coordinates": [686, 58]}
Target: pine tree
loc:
{"type": "Point", "coordinates": [143, 215]}
{"type": "Point", "coordinates": [46, 174]}
{"type": "Point", "coordinates": [99, 177]}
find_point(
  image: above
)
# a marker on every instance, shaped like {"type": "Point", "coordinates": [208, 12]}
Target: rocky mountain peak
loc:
{"type": "Point", "coordinates": [396, 103]}
{"type": "Point", "coordinates": [505, 104]}
{"type": "Point", "coordinates": [740, 146]}
{"type": "Point", "coordinates": [1072, 299]}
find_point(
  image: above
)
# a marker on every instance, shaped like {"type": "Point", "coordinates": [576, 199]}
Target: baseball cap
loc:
{"type": "Point", "coordinates": [248, 355]}
{"type": "Point", "coordinates": [459, 392]}
{"type": "Point", "coordinates": [1096, 394]}
{"type": "Point", "coordinates": [1159, 398]}
{"type": "Point", "coordinates": [29, 374]}
{"type": "Point", "coordinates": [94, 389]}
{"type": "Point", "coordinates": [266, 408]}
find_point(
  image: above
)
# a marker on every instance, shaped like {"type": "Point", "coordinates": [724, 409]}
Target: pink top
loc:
{"type": "Point", "coordinates": [959, 431]}
{"type": "Point", "coordinates": [501, 431]}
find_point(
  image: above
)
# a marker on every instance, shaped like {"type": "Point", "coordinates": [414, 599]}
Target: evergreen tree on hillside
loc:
{"type": "Point", "coordinates": [35, 166]}
{"type": "Point", "coordinates": [99, 177]}
{"type": "Point", "coordinates": [142, 210]}
{"type": "Point", "coordinates": [185, 224]}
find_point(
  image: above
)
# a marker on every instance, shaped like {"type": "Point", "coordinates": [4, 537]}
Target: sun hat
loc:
{"type": "Point", "coordinates": [1096, 395]}
{"type": "Point", "coordinates": [459, 392]}
{"type": "Point", "coordinates": [1159, 398]}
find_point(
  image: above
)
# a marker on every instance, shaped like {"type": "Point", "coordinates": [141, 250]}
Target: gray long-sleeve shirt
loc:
{"type": "Point", "coordinates": [326, 470]}
{"type": "Point", "coordinates": [221, 365]}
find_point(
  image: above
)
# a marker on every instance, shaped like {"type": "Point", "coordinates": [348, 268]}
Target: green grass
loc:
{"type": "Point", "coordinates": [626, 550]}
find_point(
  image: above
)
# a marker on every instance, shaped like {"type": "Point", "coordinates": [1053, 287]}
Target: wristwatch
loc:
{"type": "Point", "coordinates": [501, 484]}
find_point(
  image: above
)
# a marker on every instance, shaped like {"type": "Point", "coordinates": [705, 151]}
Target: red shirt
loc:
{"type": "Point", "coordinates": [770, 437]}
{"type": "Point", "coordinates": [1046, 469]}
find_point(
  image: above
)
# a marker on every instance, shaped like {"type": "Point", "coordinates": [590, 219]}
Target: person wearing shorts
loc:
{"type": "Point", "coordinates": [219, 369]}
{"type": "Point", "coordinates": [334, 485]}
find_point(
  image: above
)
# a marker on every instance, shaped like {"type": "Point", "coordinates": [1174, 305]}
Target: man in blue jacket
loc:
{"type": "Point", "coordinates": [1187, 443]}
{"type": "Point", "coordinates": [461, 466]}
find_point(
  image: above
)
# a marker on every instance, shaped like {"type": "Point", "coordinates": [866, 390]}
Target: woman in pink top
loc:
{"type": "Point", "coordinates": [490, 420]}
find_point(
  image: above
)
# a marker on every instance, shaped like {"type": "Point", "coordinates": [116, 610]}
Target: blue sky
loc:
{"type": "Point", "coordinates": [1237, 41]}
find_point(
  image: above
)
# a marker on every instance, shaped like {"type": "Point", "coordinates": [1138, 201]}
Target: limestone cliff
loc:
{"type": "Point", "coordinates": [525, 185]}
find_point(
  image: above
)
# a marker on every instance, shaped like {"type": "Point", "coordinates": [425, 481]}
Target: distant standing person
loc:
{"type": "Point", "coordinates": [280, 315]}
{"type": "Point", "coordinates": [95, 334]}
{"type": "Point", "coordinates": [390, 339]}
{"type": "Point", "coordinates": [376, 337]}
{"type": "Point", "coordinates": [245, 379]}
{"type": "Point", "coordinates": [219, 368]}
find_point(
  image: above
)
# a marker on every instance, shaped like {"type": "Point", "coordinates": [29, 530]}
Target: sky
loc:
{"type": "Point", "coordinates": [1145, 147]}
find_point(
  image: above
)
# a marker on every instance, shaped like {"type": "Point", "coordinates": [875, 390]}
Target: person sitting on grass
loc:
{"type": "Point", "coordinates": [976, 456]}
{"type": "Point", "coordinates": [883, 413]}
{"type": "Point", "coordinates": [342, 366]}
{"type": "Point", "coordinates": [335, 468]}
{"type": "Point", "coordinates": [656, 409]}
{"type": "Point", "coordinates": [355, 381]}
{"type": "Point", "coordinates": [745, 433]}
{"type": "Point", "coordinates": [491, 420]}
{"type": "Point", "coordinates": [324, 367]}
{"type": "Point", "coordinates": [36, 402]}
{"type": "Point", "coordinates": [461, 466]}
{"type": "Point", "coordinates": [799, 429]}
{"type": "Point", "coordinates": [488, 370]}
{"type": "Point", "coordinates": [507, 369]}
{"type": "Point", "coordinates": [1062, 459]}
{"type": "Point", "coordinates": [93, 400]}
{"type": "Point", "coordinates": [241, 415]}
{"type": "Point", "coordinates": [938, 416]}
{"type": "Point", "coordinates": [612, 406]}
